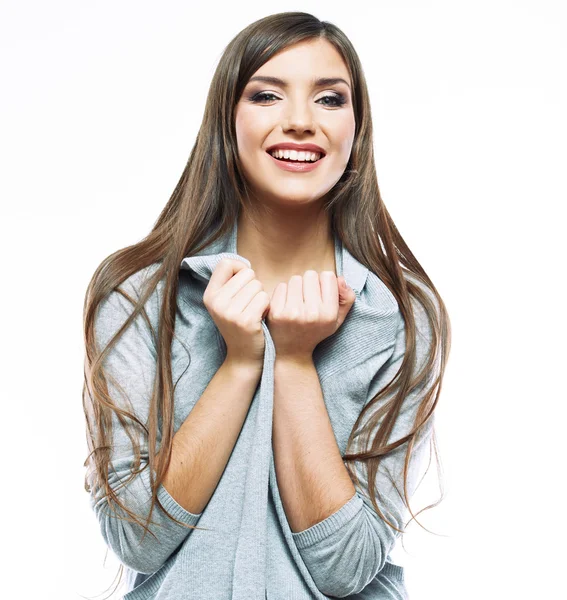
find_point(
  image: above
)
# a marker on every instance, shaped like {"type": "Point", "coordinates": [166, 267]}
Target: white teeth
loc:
{"type": "Point", "coordinates": [295, 155]}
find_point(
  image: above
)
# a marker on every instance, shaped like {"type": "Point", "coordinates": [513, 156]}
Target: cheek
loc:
{"type": "Point", "coordinates": [340, 131]}
{"type": "Point", "coordinates": [250, 130]}
{"type": "Point", "coordinates": [345, 136]}
{"type": "Point", "coordinates": [249, 138]}
{"type": "Point", "coordinates": [244, 131]}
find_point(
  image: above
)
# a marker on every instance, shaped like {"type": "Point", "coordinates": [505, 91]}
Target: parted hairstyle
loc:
{"type": "Point", "coordinates": [208, 197]}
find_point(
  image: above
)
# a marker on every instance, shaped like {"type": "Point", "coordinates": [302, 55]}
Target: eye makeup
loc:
{"type": "Point", "coordinates": [262, 97]}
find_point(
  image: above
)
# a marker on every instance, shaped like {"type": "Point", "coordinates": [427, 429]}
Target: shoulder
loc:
{"type": "Point", "coordinates": [117, 306]}
{"type": "Point", "coordinates": [424, 302]}
{"type": "Point", "coordinates": [136, 282]}
{"type": "Point", "coordinates": [133, 287]}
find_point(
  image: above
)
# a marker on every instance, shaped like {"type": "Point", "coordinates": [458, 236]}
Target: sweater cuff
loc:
{"type": "Point", "coordinates": [328, 526]}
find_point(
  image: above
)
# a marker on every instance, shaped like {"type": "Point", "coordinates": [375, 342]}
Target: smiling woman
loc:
{"type": "Point", "coordinates": [262, 369]}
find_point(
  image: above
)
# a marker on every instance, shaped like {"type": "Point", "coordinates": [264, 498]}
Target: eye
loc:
{"type": "Point", "coordinates": [262, 97]}
{"type": "Point", "coordinates": [337, 100]}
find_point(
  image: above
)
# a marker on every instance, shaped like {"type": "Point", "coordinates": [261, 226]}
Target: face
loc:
{"type": "Point", "coordinates": [301, 110]}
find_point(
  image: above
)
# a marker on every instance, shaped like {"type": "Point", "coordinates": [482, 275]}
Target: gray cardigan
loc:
{"type": "Point", "coordinates": [248, 551]}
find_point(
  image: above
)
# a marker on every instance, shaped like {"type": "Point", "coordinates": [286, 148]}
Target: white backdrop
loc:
{"type": "Point", "coordinates": [99, 108]}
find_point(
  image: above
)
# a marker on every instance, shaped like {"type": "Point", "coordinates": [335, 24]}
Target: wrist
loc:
{"type": "Point", "coordinates": [242, 368]}
{"type": "Point", "coordinates": [297, 360]}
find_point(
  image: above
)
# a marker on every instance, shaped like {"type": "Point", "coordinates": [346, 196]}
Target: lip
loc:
{"type": "Point", "coordinates": [300, 167]}
{"type": "Point", "coordinates": [296, 146]}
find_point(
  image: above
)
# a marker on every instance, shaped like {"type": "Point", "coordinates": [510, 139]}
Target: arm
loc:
{"type": "Point", "coordinates": [343, 550]}
{"type": "Point", "coordinates": [199, 455]}
{"type": "Point", "coordinates": [312, 478]}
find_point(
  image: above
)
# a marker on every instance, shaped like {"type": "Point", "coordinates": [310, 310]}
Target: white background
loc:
{"type": "Point", "coordinates": [99, 108]}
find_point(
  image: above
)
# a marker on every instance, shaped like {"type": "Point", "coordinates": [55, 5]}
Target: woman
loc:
{"type": "Point", "coordinates": [240, 360]}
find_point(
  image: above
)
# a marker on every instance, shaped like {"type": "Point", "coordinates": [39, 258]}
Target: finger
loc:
{"type": "Point", "coordinates": [311, 293]}
{"type": "Point", "coordinates": [243, 297]}
{"type": "Point", "coordinates": [294, 300]}
{"type": "Point", "coordinates": [232, 272]}
{"type": "Point", "coordinates": [329, 289]}
{"type": "Point", "coordinates": [346, 294]}
{"type": "Point", "coordinates": [257, 306]}
{"type": "Point", "coordinates": [277, 302]}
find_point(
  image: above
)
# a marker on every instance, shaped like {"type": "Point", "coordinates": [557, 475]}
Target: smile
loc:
{"type": "Point", "coordinates": [297, 166]}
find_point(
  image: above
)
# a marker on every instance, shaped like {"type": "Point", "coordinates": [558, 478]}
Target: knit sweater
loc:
{"type": "Point", "coordinates": [244, 548]}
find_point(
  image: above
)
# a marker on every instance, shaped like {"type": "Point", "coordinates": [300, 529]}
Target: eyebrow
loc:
{"type": "Point", "coordinates": [321, 81]}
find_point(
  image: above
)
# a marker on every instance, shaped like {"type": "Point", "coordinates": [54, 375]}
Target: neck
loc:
{"type": "Point", "coordinates": [280, 245]}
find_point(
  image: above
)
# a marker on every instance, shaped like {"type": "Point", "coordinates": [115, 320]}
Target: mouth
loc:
{"type": "Point", "coordinates": [296, 166]}
{"type": "Point", "coordinates": [288, 157]}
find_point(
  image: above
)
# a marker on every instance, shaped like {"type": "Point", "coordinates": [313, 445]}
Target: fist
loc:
{"type": "Point", "coordinates": [307, 310]}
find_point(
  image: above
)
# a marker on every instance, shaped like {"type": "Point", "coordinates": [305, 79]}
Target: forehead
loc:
{"type": "Point", "coordinates": [305, 61]}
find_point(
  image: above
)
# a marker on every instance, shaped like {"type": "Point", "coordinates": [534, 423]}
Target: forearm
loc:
{"type": "Point", "coordinates": [204, 442]}
{"type": "Point", "coordinates": [312, 479]}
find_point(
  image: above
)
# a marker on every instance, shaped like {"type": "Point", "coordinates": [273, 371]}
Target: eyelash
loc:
{"type": "Point", "coordinates": [339, 98]}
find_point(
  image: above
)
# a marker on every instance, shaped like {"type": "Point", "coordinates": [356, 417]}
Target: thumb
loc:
{"type": "Point", "coordinates": [346, 295]}
{"type": "Point", "coordinates": [346, 300]}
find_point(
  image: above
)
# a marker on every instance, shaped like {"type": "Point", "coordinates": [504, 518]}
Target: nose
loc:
{"type": "Point", "coordinates": [299, 118]}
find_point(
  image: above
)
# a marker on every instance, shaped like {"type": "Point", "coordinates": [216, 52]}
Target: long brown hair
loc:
{"type": "Point", "coordinates": [208, 198]}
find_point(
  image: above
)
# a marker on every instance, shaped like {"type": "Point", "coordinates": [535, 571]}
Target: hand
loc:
{"type": "Point", "coordinates": [237, 303]}
{"type": "Point", "coordinates": [306, 311]}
